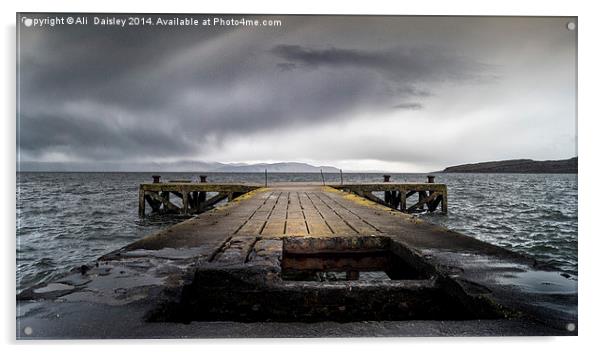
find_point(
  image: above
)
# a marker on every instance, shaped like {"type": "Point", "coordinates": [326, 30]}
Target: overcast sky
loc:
{"type": "Point", "coordinates": [403, 94]}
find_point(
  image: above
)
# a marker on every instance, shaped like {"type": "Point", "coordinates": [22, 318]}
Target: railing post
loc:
{"type": "Point", "coordinates": [430, 179]}
{"type": "Point", "coordinates": [444, 201]}
{"type": "Point", "coordinates": [202, 194]}
{"type": "Point", "coordinates": [141, 202]}
{"type": "Point", "coordinates": [402, 200]}
{"type": "Point", "coordinates": [386, 179]}
{"type": "Point", "coordinates": [185, 201]}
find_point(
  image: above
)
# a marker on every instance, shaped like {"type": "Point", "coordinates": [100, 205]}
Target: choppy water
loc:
{"type": "Point", "coordinates": [66, 219]}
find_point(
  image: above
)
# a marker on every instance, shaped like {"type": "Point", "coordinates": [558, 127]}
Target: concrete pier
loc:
{"type": "Point", "coordinates": [303, 260]}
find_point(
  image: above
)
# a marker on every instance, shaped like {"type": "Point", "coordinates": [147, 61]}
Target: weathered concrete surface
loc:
{"type": "Point", "coordinates": [93, 321]}
{"type": "Point", "coordinates": [516, 282]}
{"type": "Point", "coordinates": [125, 293]}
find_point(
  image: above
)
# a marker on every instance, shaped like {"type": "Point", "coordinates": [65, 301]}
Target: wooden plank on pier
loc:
{"type": "Point", "coordinates": [283, 211]}
{"type": "Point", "coordinates": [274, 228]}
{"type": "Point", "coordinates": [318, 227]}
{"type": "Point", "coordinates": [339, 227]}
{"type": "Point", "coordinates": [296, 227]}
{"type": "Point", "coordinates": [252, 227]}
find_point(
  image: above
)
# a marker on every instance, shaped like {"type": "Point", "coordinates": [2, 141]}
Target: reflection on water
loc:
{"type": "Point", "coordinates": [542, 282]}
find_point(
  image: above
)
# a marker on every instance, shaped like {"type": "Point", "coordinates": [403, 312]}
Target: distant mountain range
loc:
{"type": "Point", "coordinates": [181, 166]}
{"type": "Point", "coordinates": [517, 166]}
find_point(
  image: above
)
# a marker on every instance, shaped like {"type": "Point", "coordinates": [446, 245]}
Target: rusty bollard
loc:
{"type": "Point", "coordinates": [156, 179]}
{"type": "Point", "coordinates": [431, 179]}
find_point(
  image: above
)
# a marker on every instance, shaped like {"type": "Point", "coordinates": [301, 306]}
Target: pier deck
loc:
{"type": "Point", "coordinates": [193, 195]}
{"type": "Point", "coordinates": [315, 260]}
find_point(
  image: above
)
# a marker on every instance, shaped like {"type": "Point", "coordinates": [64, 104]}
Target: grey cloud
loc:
{"type": "Point", "coordinates": [286, 66]}
{"type": "Point", "coordinates": [413, 64]}
{"type": "Point", "coordinates": [176, 93]}
{"type": "Point", "coordinates": [411, 106]}
{"type": "Point", "coordinates": [95, 140]}
{"type": "Point", "coordinates": [231, 96]}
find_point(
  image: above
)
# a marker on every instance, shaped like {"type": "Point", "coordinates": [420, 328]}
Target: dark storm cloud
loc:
{"type": "Point", "coordinates": [412, 106]}
{"type": "Point", "coordinates": [286, 66]}
{"type": "Point", "coordinates": [109, 65]}
{"type": "Point", "coordinates": [413, 64]}
{"type": "Point", "coordinates": [95, 140]}
{"type": "Point", "coordinates": [93, 93]}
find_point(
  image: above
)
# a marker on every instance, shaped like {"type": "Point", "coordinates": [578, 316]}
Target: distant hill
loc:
{"type": "Point", "coordinates": [181, 166]}
{"type": "Point", "coordinates": [284, 167]}
{"type": "Point", "coordinates": [517, 166]}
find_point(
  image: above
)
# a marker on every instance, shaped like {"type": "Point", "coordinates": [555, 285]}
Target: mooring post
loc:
{"type": "Point", "coordinates": [184, 201]}
{"type": "Point", "coordinates": [341, 170]}
{"type": "Point", "coordinates": [194, 201]}
{"type": "Point", "coordinates": [202, 194]}
{"type": "Point", "coordinates": [402, 200]}
{"type": "Point", "coordinates": [266, 178]}
{"type": "Point", "coordinates": [323, 182]}
{"type": "Point", "coordinates": [395, 198]}
{"type": "Point", "coordinates": [156, 179]}
{"type": "Point", "coordinates": [141, 201]}
{"type": "Point", "coordinates": [422, 195]}
{"type": "Point", "coordinates": [444, 202]}
{"type": "Point", "coordinates": [386, 179]}
{"type": "Point", "coordinates": [430, 179]}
